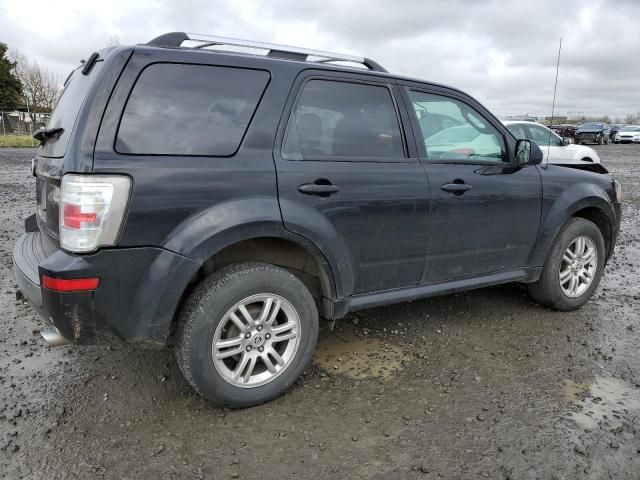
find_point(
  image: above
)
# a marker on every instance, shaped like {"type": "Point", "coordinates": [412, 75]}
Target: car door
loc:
{"type": "Point", "coordinates": [349, 182]}
{"type": "Point", "coordinates": [485, 209]}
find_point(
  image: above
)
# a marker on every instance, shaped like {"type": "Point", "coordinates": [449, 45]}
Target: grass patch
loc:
{"type": "Point", "coordinates": [17, 141]}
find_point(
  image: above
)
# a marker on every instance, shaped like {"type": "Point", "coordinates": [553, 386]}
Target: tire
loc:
{"type": "Point", "coordinates": [601, 140]}
{"type": "Point", "coordinates": [548, 290]}
{"type": "Point", "coordinates": [207, 316]}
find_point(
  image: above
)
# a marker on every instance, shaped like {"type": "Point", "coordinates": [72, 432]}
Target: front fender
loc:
{"type": "Point", "coordinates": [586, 152]}
{"type": "Point", "coordinates": [572, 199]}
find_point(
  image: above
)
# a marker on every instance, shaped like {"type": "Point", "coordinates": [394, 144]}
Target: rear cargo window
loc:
{"type": "Point", "coordinates": [177, 109]}
{"type": "Point", "coordinates": [66, 110]}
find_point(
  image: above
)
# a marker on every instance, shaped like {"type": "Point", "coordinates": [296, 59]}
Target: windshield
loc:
{"type": "Point", "coordinates": [630, 129]}
{"type": "Point", "coordinates": [66, 111]}
{"type": "Point", "coordinates": [592, 125]}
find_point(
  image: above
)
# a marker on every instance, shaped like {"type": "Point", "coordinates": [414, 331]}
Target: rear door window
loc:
{"type": "Point", "coordinates": [179, 109]}
{"type": "Point", "coordinates": [336, 120]}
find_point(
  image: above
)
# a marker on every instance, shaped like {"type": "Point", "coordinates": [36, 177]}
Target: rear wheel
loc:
{"type": "Point", "coordinates": [246, 334]}
{"type": "Point", "coordinates": [573, 268]}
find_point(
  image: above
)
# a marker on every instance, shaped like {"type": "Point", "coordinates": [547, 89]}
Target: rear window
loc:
{"type": "Point", "coordinates": [66, 110]}
{"type": "Point", "coordinates": [177, 109]}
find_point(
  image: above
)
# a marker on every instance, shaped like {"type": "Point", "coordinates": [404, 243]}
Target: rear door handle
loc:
{"type": "Point", "coordinates": [456, 188]}
{"type": "Point", "coordinates": [318, 189]}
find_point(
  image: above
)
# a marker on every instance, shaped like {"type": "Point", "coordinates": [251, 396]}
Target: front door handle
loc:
{"type": "Point", "coordinates": [320, 189]}
{"type": "Point", "coordinates": [456, 188]}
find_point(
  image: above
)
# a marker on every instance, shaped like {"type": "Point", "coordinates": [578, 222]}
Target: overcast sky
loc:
{"type": "Point", "coordinates": [501, 52]}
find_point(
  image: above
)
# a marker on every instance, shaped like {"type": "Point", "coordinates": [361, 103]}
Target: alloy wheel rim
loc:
{"type": "Point", "coordinates": [578, 267]}
{"type": "Point", "coordinates": [256, 340]}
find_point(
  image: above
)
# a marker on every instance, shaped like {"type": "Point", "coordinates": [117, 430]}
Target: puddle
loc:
{"type": "Point", "coordinates": [603, 400]}
{"type": "Point", "coordinates": [358, 357]}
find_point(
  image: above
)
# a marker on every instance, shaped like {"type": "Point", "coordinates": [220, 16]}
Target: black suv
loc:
{"type": "Point", "coordinates": [223, 201]}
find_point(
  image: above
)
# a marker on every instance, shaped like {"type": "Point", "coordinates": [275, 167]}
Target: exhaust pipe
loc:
{"type": "Point", "coordinates": [54, 338]}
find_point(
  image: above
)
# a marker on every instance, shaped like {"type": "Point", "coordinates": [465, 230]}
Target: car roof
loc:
{"type": "Point", "coordinates": [302, 63]}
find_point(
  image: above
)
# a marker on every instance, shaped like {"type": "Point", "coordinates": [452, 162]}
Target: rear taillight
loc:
{"type": "Point", "coordinates": [92, 209]}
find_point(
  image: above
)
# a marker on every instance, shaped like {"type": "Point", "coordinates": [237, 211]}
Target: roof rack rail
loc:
{"type": "Point", "coordinates": [175, 39]}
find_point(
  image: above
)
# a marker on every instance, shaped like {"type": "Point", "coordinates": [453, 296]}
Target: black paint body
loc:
{"type": "Point", "coordinates": [390, 233]}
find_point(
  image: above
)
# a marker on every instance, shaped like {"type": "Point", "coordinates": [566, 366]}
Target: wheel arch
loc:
{"type": "Point", "coordinates": [269, 243]}
{"type": "Point", "coordinates": [586, 201]}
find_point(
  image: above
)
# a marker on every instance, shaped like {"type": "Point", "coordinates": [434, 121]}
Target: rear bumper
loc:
{"type": "Point", "coordinates": [139, 293]}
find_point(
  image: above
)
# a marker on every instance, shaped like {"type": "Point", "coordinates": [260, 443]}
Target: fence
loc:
{"type": "Point", "coordinates": [17, 122]}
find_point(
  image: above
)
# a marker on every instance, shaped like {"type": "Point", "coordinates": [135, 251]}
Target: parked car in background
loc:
{"type": "Point", "coordinates": [613, 130]}
{"type": "Point", "coordinates": [565, 130]}
{"type": "Point", "coordinates": [628, 134]}
{"type": "Point", "coordinates": [593, 132]}
{"type": "Point", "coordinates": [555, 148]}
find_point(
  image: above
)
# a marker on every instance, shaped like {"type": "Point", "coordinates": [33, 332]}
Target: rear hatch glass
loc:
{"type": "Point", "coordinates": [66, 111]}
{"type": "Point", "coordinates": [50, 155]}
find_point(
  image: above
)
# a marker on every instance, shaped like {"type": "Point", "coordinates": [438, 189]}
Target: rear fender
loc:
{"type": "Point", "coordinates": [201, 236]}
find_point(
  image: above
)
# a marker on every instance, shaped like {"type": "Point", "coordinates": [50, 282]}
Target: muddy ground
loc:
{"type": "Point", "coordinates": [483, 384]}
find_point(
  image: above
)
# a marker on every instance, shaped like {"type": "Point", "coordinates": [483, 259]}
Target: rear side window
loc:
{"type": "Point", "coordinates": [177, 109]}
{"type": "Point", "coordinates": [335, 120]}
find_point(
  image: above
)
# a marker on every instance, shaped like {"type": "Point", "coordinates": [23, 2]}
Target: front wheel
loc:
{"type": "Point", "coordinates": [573, 268]}
{"type": "Point", "coordinates": [246, 333]}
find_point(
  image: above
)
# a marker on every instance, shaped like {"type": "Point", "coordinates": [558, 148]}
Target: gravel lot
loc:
{"type": "Point", "coordinates": [483, 384]}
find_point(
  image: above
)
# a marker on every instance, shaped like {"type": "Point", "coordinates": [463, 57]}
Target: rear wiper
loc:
{"type": "Point", "coordinates": [43, 134]}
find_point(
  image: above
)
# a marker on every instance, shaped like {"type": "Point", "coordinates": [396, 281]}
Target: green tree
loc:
{"type": "Point", "coordinates": [10, 87]}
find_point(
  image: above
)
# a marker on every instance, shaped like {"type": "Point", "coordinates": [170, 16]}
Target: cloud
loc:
{"type": "Point", "coordinates": [502, 53]}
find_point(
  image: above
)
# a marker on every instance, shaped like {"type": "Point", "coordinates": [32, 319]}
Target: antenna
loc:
{"type": "Point", "coordinates": [553, 105]}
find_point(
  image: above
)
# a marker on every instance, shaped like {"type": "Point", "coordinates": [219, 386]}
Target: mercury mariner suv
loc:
{"type": "Point", "coordinates": [221, 196]}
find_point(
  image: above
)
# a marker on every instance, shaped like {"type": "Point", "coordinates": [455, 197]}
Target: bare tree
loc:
{"type": "Point", "coordinates": [40, 86]}
{"type": "Point", "coordinates": [114, 41]}
{"type": "Point", "coordinates": [632, 119]}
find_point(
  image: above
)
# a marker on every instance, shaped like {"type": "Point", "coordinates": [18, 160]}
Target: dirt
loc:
{"type": "Point", "coordinates": [483, 384]}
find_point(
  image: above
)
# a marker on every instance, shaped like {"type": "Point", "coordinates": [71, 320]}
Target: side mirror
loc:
{"type": "Point", "coordinates": [567, 141]}
{"type": "Point", "coordinates": [528, 153]}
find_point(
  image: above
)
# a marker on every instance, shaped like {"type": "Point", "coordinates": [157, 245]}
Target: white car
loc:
{"type": "Point", "coordinates": [555, 148]}
{"type": "Point", "coordinates": [628, 134]}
